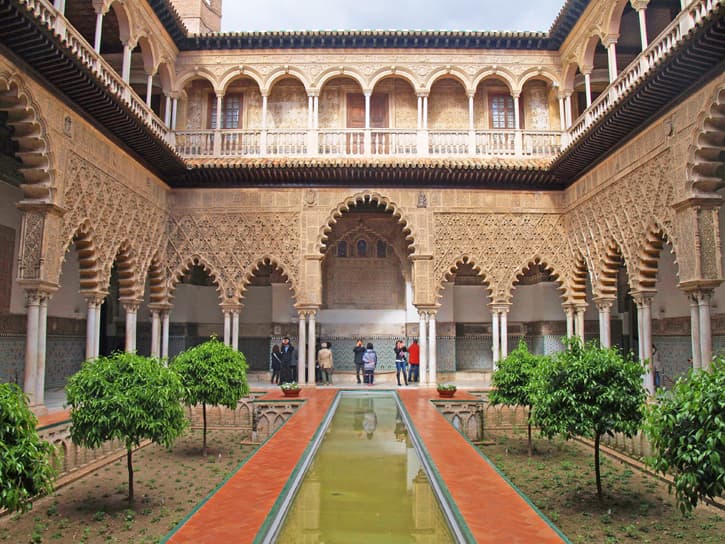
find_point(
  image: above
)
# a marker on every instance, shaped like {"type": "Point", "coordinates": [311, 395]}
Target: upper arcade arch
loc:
{"type": "Point", "coordinates": [234, 74]}
{"type": "Point", "coordinates": [449, 72]}
{"type": "Point", "coordinates": [498, 74]}
{"type": "Point", "coordinates": [184, 78]}
{"type": "Point", "coordinates": [340, 72]}
{"type": "Point", "coordinates": [396, 72]}
{"type": "Point", "coordinates": [281, 74]}
{"type": "Point", "coordinates": [539, 73]}
{"type": "Point", "coordinates": [366, 196]}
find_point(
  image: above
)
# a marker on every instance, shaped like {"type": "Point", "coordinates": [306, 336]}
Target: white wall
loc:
{"type": "Point", "coordinates": [283, 305]}
{"type": "Point", "coordinates": [470, 304]}
{"type": "Point", "coordinates": [670, 300]}
{"type": "Point", "coordinates": [257, 305]}
{"type": "Point", "coordinates": [11, 217]}
{"type": "Point", "coordinates": [67, 300]}
{"type": "Point", "coordinates": [539, 302]}
{"type": "Point", "coordinates": [196, 304]}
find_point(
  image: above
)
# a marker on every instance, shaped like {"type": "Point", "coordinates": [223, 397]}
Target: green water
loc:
{"type": "Point", "coordinates": [366, 483]}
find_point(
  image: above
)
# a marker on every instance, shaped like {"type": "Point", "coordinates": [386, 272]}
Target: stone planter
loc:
{"type": "Point", "coordinates": [291, 392]}
{"type": "Point", "coordinates": [446, 393]}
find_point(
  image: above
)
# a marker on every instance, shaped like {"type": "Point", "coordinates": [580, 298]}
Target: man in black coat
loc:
{"type": "Point", "coordinates": [289, 361]}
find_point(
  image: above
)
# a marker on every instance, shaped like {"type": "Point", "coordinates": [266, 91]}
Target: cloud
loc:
{"type": "Point", "coordinates": [386, 14]}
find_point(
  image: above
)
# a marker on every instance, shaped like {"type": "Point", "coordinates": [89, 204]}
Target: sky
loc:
{"type": "Point", "coordinates": [245, 15]}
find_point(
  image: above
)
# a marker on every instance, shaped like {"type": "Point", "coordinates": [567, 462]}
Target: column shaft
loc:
{"type": "Point", "coordinates": [642, 28]}
{"type": "Point", "coordinates": [99, 31]}
{"type": "Point", "coordinates": [311, 345]}
{"type": "Point", "coordinates": [235, 330]}
{"type": "Point", "coordinates": [569, 322]}
{"type": "Point", "coordinates": [31, 348]}
{"type": "Point", "coordinates": [495, 330]}
{"type": "Point", "coordinates": [695, 332]}
{"type": "Point", "coordinates": [227, 328]}
{"type": "Point", "coordinates": [588, 88]}
{"type": "Point", "coordinates": [423, 342]}
{"type": "Point", "coordinates": [504, 334]}
{"type": "Point", "coordinates": [97, 331]}
{"type": "Point", "coordinates": [149, 88]}
{"type": "Point", "coordinates": [90, 329]}
{"type": "Point", "coordinates": [612, 61]}
{"type": "Point", "coordinates": [42, 343]}
{"type": "Point", "coordinates": [155, 334]}
{"type": "Point", "coordinates": [432, 345]}
{"type": "Point", "coordinates": [302, 344]}
{"type": "Point", "coordinates": [165, 335]}
{"type": "Point", "coordinates": [705, 330]}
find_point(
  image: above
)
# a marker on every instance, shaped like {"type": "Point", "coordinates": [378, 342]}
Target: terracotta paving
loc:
{"type": "Point", "coordinates": [52, 418]}
{"type": "Point", "coordinates": [493, 510]}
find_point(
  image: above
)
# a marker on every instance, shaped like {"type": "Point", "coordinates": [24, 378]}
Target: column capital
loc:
{"type": "Point", "coordinates": [610, 39]}
{"type": "Point", "coordinates": [428, 309]}
{"type": "Point", "coordinates": [422, 93]}
{"type": "Point", "coordinates": [94, 298]}
{"type": "Point", "coordinates": [699, 201]}
{"type": "Point", "coordinates": [500, 307]}
{"type": "Point", "coordinates": [160, 306]}
{"type": "Point", "coordinates": [643, 297]}
{"type": "Point", "coordinates": [231, 306]}
{"type": "Point", "coordinates": [130, 304]}
{"type": "Point", "coordinates": [639, 5]}
{"type": "Point", "coordinates": [696, 287]}
{"type": "Point", "coordinates": [604, 303]}
{"type": "Point", "coordinates": [45, 288]}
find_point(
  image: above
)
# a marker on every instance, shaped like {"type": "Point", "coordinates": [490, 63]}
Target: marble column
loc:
{"type": "Point", "coordinates": [579, 322]}
{"type": "Point", "coordinates": [149, 88]}
{"type": "Point", "coordinates": [302, 344]}
{"type": "Point", "coordinates": [612, 59]}
{"type": "Point", "coordinates": [131, 308]}
{"type": "Point", "coordinates": [695, 331]}
{"type": "Point", "coordinates": [235, 330]}
{"type": "Point", "coordinates": [227, 327]}
{"type": "Point", "coordinates": [569, 311]}
{"type": "Point", "coordinates": [703, 303]}
{"type": "Point", "coordinates": [567, 110]}
{"type": "Point", "coordinates": [423, 343]}
{"type": "Point", "coordinates": [32, 303]}
{"type": "Point", "coordinates": [126, 66]}
{"type": "Point", "coordinates": [99, 31]}
{"type": "Point", "coordinates": [644, 322]}
{"type": "Point", "coordinates": [167, 110]}
{"type": "Point", "coordinates": [42, 345]}
{"type": "Point", "coordinates": [588, 87]}
{"type": "Point", "coordinates": [604, 305]}
{"type": "Point", "coordinates": [311, 345]}
{"type": "Point", "coordinates": [504, 333]}
{"type": "Point", "coordinates": [165, 334]}
{"type": "Point", "coordinates": [93, 323]}
{"type": "Point", "coordinates": [644, 41]}
{"type": "Point", "coordinates": [155, 333]}
{"type": "Point", "coordinates": [432, 347]}
{"type": "Point", "coordinates": [495, 334]}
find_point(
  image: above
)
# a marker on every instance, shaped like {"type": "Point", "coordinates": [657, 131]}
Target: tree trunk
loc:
{"type": "Point", "coordinates": [596, 466]}
{"type": "Point", "coordinates": [203, 411]}
{"type": "Point", "coordinates": [531, 448]}
{"type": "Point", "coordinates": [129, 464]}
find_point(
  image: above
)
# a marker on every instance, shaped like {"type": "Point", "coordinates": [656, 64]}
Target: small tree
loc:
{"type": "Point", "coordinates": [26, 468]}
{"type": "Point", "coordinates": [512, 380]}
{"type": "Point", "coordinates": [588, 391]}
{"type": "Point", "coordinates": [687, 432]}
{"type": "Point", "coordinates": [212, 373]}
{"type": "Point", "coordinates": [126, 397]}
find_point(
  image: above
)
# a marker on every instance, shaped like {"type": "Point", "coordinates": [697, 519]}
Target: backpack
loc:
{"type": "Point", "coordinates": [370, 358]}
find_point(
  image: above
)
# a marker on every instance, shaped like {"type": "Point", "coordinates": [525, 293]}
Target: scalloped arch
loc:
{"type": "Point", "coordinates": [157, 280]}
{"type": "Point", "coordinates": [706, 153]}
{"type": "Point", "coordinates": [194, 260]}
{"type": "Point", "coordinates": [127, 270]}
{"type": "Point", "coordinates": [450, 270]}
{"type": "Point", "coordinates": [252, 269]}
{"type": "Point", "coordinates": [535, 260]}
{"type": "Point", "coordinates": [648, 256]}
{"type": "Point", "coordinates": [366, 196]}
{"type": "Point", "coordinates": [609, 265]}
{"type": "Point", "coordinates": [88, 258]}
{"type": "Point", "coordinates": [31, 133]}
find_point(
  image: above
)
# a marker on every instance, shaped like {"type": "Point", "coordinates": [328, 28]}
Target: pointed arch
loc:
{"type": "Point", "coordinates": [457, 262]}
{"type": "Point", "coordinates": [30, 132]}
{"type": "Point", "coordinates": [366, 196]}
{"type": "Point", "coordinates": [535, 260]}
{"type": "Point", "coordinates": [706, 154]}
{"type": "Point", "coordinates": [265, 260]}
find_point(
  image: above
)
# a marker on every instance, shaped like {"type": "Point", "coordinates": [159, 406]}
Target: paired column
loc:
{"type": "Point", "coordinates": [701, 328]}
{"type": "Point", "coordinates": [93, 322]}
{"type": "Point", "coordinates": [301, 343]}
{"type": "Point", "coordinates": [367, 139]}
{"type": "Point", "coordinates": [499, 332]}
{"type": "Point", "coordinates": [471, 125]}
{"type": "Point", "coordinates": [432, 348]}
{"type": "Point", "coordinates": [569, 311]}
{"type": "Point", "coordinates": [313, 119]}
{"type": "Point", "coordinates": [36, 302]}
{"type": "Point", "coordinates": [160, 330]}
{"type": "Point", "coordinates": [231, 324]}
{"type": "Point", "coordinates": [518, 138]}
{"type": "Point", "coordinates": [422, 143]}
{"type": "Point", "coordinates": [643, 299]}
{"type": "Point", "coordinates": [604, 305]}
{"type": "Point", "coordinates": [263, 135]}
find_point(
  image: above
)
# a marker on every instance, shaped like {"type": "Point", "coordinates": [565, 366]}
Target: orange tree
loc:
{"type": "Point", "coordinates": [588, 391]}
{"type": "Point", "coordinates": [126, 397]}
{"type": "Point", "coordinates": [25, 459]}
{"type": "Point", "coordinates": [212, 373]}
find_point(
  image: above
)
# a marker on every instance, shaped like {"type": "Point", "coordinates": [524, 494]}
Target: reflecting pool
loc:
{"type": "Point", "coordinates": [366, 483]}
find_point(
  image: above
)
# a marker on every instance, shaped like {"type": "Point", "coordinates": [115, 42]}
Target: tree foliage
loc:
{"type": "Point", "coordinates": [588, 391]}
{"type": "Point", "coordinates": [687, 432]}
{"type": "Point", "coordinates": [513, 379]}
{"type": "Point", "coordinates": [125, 397]}
{"type": "Point", "coordinates": [26, 468]}
{"type": "Point", "coordinates": [213, 374]}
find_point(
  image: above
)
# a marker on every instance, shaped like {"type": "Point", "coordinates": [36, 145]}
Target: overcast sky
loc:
{"type": "Point", "coordinates": [244, 15]}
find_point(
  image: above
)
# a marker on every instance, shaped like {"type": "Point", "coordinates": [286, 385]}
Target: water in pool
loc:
{"type": "Point", "coordinates": [366, 483]}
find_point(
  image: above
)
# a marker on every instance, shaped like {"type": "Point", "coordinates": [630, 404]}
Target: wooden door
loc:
{"type": "Point", "coordinates": [355, 120]}
{"type": "Point", "coordinates": [378, 119]}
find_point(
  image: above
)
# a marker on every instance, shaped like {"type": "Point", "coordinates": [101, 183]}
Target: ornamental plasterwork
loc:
{"type": "Point", "coordinates": [116, 214]}
{"type": "Point", "coordinates": [502, 245]}
{"type": "Point", "coordinates": [232, 244]}
{"type": "Point", "coordinates": [625, 212]}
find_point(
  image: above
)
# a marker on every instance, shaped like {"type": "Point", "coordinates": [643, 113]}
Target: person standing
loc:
{"type": "Point", "coordinates": [276, 364]}
{"type": "Point", "coordinates": [414, 361]}
{"type": "Point", "coordinates": [358, 350]}
{"type": "Point", "coordinates": [324, 356]}
{"type": "Point", "coordinates": [401, 362]}
{"type": "Point", "coordinates": [289, 364]}
{"type": "Point", "coordinates": [370, 361]}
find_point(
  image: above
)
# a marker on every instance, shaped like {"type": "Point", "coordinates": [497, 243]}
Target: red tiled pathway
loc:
{"type": "Point", "coordinates": [492, 509]}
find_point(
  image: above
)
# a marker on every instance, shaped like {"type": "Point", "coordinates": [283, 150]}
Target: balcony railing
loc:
{"type": "Point", "coordinates": [661, 47]}
{"type": "Point", "coordinates": [373, 142]}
